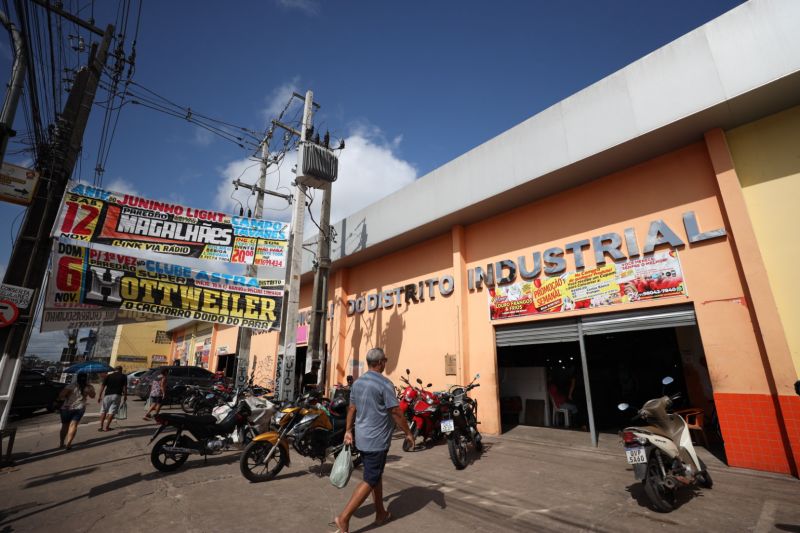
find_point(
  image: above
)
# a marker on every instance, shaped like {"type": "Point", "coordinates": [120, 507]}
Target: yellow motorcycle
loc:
{"type": "Point", "coordinates": [314, 427]}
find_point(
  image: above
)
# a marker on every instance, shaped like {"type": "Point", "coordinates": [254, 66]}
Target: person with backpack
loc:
{"type": "Point", "coordinates": [73, 407]}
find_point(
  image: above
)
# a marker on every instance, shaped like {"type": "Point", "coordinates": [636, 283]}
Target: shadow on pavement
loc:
{"type": "Point", "coordinates": [683, 495]}
{"type": "Point", "coordinates": [44, 480]}
{"type": "Point", "coordinates": [404, 503]}
{"type": "Point", "coordinates": [792, 528]}
{"type": "Point", "coordinates": [107, 438]}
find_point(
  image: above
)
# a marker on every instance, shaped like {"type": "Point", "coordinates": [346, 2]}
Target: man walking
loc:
{"type": "Point", "coordinates": [374, 411]}
{"type": "Point", "coordinates": [115, 387]}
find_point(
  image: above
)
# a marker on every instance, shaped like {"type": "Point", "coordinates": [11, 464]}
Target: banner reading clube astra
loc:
{"type": "Point", "coordinates": [93, 215]}
{"type": "Point", "coordinates": [112, 280]}
{"type": "Point", "coordinates": [650, 278]}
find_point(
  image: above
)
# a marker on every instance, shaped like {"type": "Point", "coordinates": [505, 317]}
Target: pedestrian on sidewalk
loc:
{"type": "Point", "coordinates": [158, 388]}
{"type": "Point", "coordinates": [374, 411]}
{"type": "Point", "coordinates": [115, 387]}
{"type": "Point", "coordinates": [74, 398]}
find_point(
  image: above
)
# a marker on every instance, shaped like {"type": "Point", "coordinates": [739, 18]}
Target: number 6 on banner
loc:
{"type": "Point", "coordinates": [70, 271]}
{"type": "Point", "coordinates": [79, 225]}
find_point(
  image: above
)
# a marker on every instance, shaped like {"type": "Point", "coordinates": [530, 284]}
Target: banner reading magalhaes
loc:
{"type": "Point", "coordinates": [116, 281]}
{"type": "Point", "coordinates": [93, 215]}
{"type": "Point", "coordinates": [648, 278]}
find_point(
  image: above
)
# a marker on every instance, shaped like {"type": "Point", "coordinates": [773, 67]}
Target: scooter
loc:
{"type": "Point", "coordinates": [408, 398]}
{"type": "Point", "coordinates": [662, 453]}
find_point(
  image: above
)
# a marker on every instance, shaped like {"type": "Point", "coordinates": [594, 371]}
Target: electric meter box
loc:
{"type": "Point", "coordinates": [316, 166]}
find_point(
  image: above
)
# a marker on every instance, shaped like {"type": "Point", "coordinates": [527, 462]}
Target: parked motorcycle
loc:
{"type": "Point", "coordinates": [313, 429]}
{"type": "Point", "coordinates": [408, 398]}
{"type": "Point", "coordinates": [202, 435]}
{"type": "Point", "coordinates": [662, 453]}
{"type": "Point", "coordinates": [425, 417]}
{"type": "Point", "coordinates": [459, 422]}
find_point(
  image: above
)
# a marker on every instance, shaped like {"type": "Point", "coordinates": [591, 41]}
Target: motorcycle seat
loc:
{"type": "Point", "coordinates": [181, 418]}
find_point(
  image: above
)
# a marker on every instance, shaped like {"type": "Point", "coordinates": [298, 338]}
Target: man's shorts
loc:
{"type": "Point", "coordinates": [111, 403]}
{"type": "Point", "coordinates": [373, 466]}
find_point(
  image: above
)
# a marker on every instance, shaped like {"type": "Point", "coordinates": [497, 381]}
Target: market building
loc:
{"type": "Point", "coordinates": [641, 228]}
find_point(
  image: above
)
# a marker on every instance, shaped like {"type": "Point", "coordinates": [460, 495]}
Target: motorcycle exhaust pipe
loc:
{"type": "Point", "coordinates": [178, 449]}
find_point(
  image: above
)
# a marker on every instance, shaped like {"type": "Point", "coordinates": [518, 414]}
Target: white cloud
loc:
{"type": "Point", "coordinates": [202, 137]}
{"type": "Point", "coordinates": [310, 7]}
{"type": "Point", "coordinates": [121, 185]}
{"type": "Point", "coordinates": [279, 97]}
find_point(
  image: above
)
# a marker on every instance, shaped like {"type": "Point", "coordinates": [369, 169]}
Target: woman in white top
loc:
{"type": "Point", "coordinates": [74, 397]}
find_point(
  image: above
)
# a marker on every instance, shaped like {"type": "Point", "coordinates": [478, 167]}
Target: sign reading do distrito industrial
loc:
{"type": "Point", "coordinates": [411, 292]}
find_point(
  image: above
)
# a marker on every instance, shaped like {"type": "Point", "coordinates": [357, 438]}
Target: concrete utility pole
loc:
{"type": "Point", "coordinates": [246, 334]}
{"type": "Point", "coordinates": [319, 299]}
{"type": "Point", "coordinates": [31, 252]}
{"type": "Point", "coordinates": [288, 335]}
{"type": "Point", "coordinates": [14, 88]}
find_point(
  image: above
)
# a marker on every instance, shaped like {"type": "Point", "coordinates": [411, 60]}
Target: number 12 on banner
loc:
{"type": "Point", "coordinates": [80, 220]}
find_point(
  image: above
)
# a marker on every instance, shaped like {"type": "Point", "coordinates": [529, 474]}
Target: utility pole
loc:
{"type": "Point", "coordinates": [288, 335]}
{"type": "Point", "coordinates": [14, 88]}
{"type": "Point", "coordinates": [28, 262]}
{"type": "Point", "coordinates": [319, 298]}
{"type": "Point", "coordinates": [246, 334]}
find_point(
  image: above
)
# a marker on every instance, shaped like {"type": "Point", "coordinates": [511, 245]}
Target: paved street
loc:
{"type": "Point", "coordinates": [527, 480]}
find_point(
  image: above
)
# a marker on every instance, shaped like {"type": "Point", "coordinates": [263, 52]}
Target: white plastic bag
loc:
{"type": "Point", "coordinates": [122, 412]}
{"type": "Point", "coordinates": [342, 468]}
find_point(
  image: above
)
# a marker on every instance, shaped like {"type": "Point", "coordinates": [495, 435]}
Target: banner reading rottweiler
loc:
{"type": "Point", "coordinates": [94, 215]}
{"type": "Point", "coordinates": [111, 280]}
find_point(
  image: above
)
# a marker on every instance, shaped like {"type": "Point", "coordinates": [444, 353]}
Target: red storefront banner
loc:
{"type": "Point", "coordinates": [654, 277]}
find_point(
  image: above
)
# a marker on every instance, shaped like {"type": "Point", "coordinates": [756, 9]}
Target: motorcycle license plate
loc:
{"type": "Point", "coordinates": [635, 455]}
{"type": "Point", "coordinates": [447, 426]}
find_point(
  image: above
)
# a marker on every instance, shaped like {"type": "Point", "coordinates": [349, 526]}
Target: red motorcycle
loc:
{"type": "Point", "coordinates": [422, 407]}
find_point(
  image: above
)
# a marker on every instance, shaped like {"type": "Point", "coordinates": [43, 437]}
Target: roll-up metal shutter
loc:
{"type": "Point", "coordinates": [666, 317]}
{"type": "Point", "coordinates": [541, 332]}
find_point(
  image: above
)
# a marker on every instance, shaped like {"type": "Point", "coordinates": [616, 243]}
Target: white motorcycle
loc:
{"type": "Point", "coordinates": [662, 453]}
{"type": "Point", "coordinates": [261, 413]}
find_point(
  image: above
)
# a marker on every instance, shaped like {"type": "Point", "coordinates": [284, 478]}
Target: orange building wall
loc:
{"type": "Point", "coordinates": [421, 334]}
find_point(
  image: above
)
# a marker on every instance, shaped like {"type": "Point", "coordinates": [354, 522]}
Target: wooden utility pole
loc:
{"type": "Point", "coordinates": [31, 252]}
{"type": "Point", "coordinates": [319, 298]}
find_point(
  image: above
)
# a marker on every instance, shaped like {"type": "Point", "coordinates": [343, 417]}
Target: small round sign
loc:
{"type": "Point", "coordinates": [8, 313]}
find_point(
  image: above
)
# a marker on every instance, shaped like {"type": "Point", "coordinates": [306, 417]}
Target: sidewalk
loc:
{"type": "Point", "coordinates": [526, 480]}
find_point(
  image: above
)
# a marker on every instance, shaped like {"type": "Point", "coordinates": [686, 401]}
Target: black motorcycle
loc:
{"type": "Point", "coordinates": [459, 422]}
{"type": "Point", "coordinates": [201, 435]}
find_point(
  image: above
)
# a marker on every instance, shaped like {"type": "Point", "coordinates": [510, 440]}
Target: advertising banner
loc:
{"type": "Point", "coordinates": [119, 282]}
{"type": "Point", "coordinates": [649, 278]}
{"type": "Point", "coordinates": [17, 184]}
{"type": "Point", "coordinates": [116, 219]}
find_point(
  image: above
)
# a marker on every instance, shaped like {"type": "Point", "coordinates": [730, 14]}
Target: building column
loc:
{"type": "Point", "coordinates": [761, 431]}
{"type": "Point", "coordinates": [337, 331]}
{"type": "Point", "coordinates": [462, 301]}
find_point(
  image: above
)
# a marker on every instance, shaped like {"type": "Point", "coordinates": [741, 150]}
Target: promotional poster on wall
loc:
{"type": "Point", "coordinates": [648, 278]}
{"type": "Point", "coordinates": [92, 215]}
{"type": "Point", "coordinates": [110, 280]}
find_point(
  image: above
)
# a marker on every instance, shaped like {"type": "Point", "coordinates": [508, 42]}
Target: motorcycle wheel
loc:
{"type": "Point", "coordinates": [163, 461]}
{"type": "Point", "coordinates": [662, 498]}
{"type": "Point", "coordinates": [478, 442]}
{"type": "Point", "coordinates": [415, 433]}
{"type": "Point", "coordinates": [704, 478]}
{"type": "Point", "coordinates": [252, 463]}
{"type": "Point", "coordinates": [457, 446]}
{"type": "Point", "coordinates": [187, 404]}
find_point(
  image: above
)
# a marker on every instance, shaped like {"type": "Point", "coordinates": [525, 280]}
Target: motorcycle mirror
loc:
{"type": "Point", "coordinates": [623, 406]}
{"type": "Point", "coordinates": [430, 385]}
{"type": "Point", "coordinates": [419, 381]}
{"type": "Point", "coordinates": [667, 380]}
{"type": "Point", "coordinates": [477, 376]}
{"type": "Point", "coordinates": [408, 372]}
{"type": "Point", "coordinates": [797, 387]}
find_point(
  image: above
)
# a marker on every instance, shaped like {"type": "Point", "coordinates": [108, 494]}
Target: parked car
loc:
{"type": "Point", "coordinates": [34, 391]}
{"type": "Point", "coordinates": [178, 375]}
{"type": "Point", "coordinates": [133, 379]}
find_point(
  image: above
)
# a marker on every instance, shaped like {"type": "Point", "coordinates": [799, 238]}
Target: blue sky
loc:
{"type": "Point", "coordinates": [410, 85]}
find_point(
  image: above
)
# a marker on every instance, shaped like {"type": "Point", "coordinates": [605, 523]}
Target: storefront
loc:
{"type": "Point", "coordinates": [623, 235]}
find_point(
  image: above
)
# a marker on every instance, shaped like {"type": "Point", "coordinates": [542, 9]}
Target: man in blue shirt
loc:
{"type": "Point", "coordinates": [374, 411]}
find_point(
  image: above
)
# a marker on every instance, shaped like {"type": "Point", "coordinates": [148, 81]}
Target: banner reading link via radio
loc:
{"type": "Point", "coordinates": [111, 280]}
{"type": "Point", "coordinates": [94, 215]}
